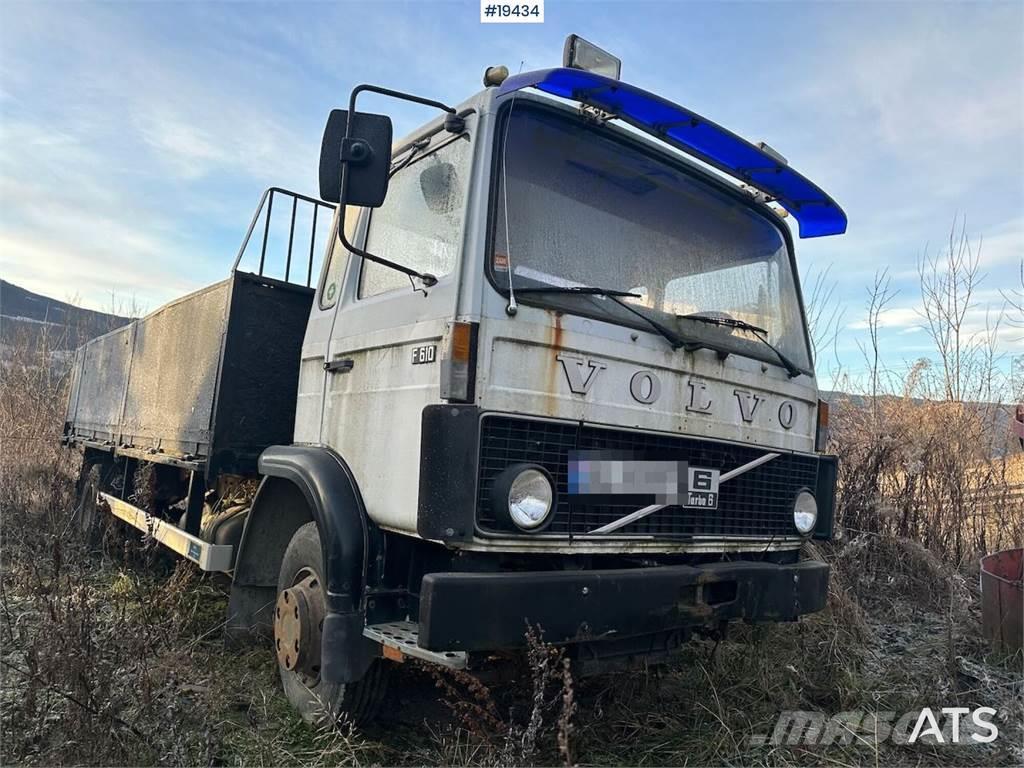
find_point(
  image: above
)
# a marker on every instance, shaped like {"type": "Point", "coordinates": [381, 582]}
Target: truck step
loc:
{"type": "Point", "coordinates": [209, 557]}
{"type": "Point", "coordinates": [401, 638]}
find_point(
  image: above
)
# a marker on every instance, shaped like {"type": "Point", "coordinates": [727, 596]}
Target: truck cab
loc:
{"type": "Point", "coordinates": [564, 204]}
{"type": "Point", "coordinates": [556, 375]}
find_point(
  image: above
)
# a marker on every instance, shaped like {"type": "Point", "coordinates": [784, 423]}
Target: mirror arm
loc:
{"type": "Point", "coordinates": [427, 279]}
{"type": "Point", "coordinates": [417, 147]}
{"type": "Point", "coordinates": [395, 95]}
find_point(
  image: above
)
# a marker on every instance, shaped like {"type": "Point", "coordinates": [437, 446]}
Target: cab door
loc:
{"type": "Point", "coordinates": [384, 350]}
{"type": "Point", "coordinates": [312, 373]}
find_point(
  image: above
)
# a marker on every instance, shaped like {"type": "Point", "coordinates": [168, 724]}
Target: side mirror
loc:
{"type": "Point", "coordinates": [365, 157]}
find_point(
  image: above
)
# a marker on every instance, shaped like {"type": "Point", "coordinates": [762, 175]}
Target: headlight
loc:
{"type": "Point", "coordinates": [524, 495]}
{"type": "Point", "coordinates": [805, 512]}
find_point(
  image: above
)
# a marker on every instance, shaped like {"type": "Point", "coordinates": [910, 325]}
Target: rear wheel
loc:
{"type": "Point", "coordinates": [298, 629]}
{"type": "Point", "coordinates": [86, 514]}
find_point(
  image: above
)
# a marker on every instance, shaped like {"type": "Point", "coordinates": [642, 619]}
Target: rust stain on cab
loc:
{"type": "Point", "coordinates": [551, 364]}
{"type": "Point", "coordinates": [556, 330]}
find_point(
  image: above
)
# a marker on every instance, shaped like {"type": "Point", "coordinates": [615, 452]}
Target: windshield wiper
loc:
{"type": "Point", "coordinates": [759, 333]}
{"type": "Point", "coordinates": [586, 290]}
{"type": "Point", "coordinates": [677, 341]}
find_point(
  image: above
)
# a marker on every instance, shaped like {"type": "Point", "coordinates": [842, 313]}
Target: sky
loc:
{"type": "Point", "coordinates": [136, 138]}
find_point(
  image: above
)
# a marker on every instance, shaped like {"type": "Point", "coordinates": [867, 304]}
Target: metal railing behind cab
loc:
{"type": "Point", "coordinates": [265, 210]}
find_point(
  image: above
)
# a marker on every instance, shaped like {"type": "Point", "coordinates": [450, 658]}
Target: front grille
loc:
{"type": "Point", "coordinates": [757, 503]}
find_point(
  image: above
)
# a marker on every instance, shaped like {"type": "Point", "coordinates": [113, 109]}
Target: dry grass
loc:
{"type": "Point", "coordinates": [115, 655]}
{"type": "Point", "coordinates": [940, 473]}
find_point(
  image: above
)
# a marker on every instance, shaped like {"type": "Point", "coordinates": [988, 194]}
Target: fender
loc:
{"type": "Point", "coordinates": [349, 541]}
{"type": "Point", "coordinates": [330, 490]}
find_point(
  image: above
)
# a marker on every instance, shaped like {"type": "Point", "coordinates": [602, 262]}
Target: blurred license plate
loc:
{"type": "Point", "coordinates": [669, 482]}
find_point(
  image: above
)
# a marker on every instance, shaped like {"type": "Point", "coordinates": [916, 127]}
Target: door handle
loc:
{"type": "Point", "coordinates": [343, 365]}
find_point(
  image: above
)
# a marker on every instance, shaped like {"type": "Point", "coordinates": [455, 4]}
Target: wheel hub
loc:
{"type": "Point", "coordinates": [298, 626]}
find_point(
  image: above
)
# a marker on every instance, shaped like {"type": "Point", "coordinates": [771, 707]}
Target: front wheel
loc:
{"type": "Point", "coordinates": [298, 630]}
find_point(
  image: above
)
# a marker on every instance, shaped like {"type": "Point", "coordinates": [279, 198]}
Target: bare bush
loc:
{"type": "Point", "coordinates": [33, 470]}
{"type": "Point", "coordinates": [83, 680]}
{"type": "Point", "coordinates": [949, 282]}
{"type": "Point", "coordinates": [925, 453]}
{"type": "Point", "coordinates": [1014, 298]}
{"type": "Point", "coordinates": [928, 471]}
{"type": "Point", "coordinates": [824, 314]}
{"type": "Point", "coordinates": [482, 736]}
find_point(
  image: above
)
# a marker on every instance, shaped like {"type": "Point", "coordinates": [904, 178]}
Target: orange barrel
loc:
{"type": "Point", "coordinates": [1002, 598]}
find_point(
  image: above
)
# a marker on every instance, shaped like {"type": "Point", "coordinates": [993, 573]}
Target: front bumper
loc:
{"type": "Point", "coordinates": [491, 611]}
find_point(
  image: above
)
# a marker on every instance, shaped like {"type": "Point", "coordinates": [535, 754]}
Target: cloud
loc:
{"type": "Point", "coordinates": [927, 80]}
{"type": "Point", "coordinates": [191, 151]}
{"type": "Point", "coordinates": [1003, 245]}
{"type": "Point", "coordinates": [134, 270]}
{"type": "Point", "coordinates": [123, 173]}
{"type": "Point", "coordinates": [895, 317]}
{"type": "Point", "coordinates": [136, 137]}
{"type": "Point", "coordinates": [981, 321]}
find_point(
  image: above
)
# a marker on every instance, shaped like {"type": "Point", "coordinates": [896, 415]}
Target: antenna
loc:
{"type": "Point", "coordinates": [512, 307]}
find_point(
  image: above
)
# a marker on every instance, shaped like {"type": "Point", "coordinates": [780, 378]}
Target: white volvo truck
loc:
{"type": "Point", "coordinates": [554, 372]}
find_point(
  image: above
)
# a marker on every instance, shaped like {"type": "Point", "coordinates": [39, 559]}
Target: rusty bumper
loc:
{"type": "Point", "coordinates": [490, 611]}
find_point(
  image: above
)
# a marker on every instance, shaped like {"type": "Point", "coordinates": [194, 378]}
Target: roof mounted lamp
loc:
{"type": "Point", "coordinates": [495, 76]}
{"type": "Point", "coordinates": [582, 54]}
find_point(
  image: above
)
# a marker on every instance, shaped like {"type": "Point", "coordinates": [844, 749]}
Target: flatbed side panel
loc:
{"type": "Point", "coordinates": [74, 387]}
{"type": "Point", "coordinates": [213, 375]}
{"type": "Point", "coordinates": [173, 376]}
{"type": "Point", "coordinates": [103, 366]}
{"type": "Point", "coordinates": [259, 373]}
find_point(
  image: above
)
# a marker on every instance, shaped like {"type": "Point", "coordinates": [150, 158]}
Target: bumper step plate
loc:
{"type": "Point", "coordinates": [401, 638]}
{"type": "Point", "coordinates": [209, 557]}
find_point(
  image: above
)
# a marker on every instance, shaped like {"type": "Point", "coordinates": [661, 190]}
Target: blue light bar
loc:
{"type": "Point", "coordinates": [816, 213]}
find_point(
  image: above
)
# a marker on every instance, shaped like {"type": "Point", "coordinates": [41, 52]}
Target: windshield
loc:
{"type": "Point", "coordinates": [584, 208]}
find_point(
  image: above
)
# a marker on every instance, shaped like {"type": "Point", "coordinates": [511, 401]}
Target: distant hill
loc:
{"type": "Point", "coordinates": [31, 318]}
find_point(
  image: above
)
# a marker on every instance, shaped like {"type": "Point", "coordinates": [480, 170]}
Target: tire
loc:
{"type": "Point", "coordinates": [87, 516]}
{"type": "Point", "coordinates": [315, 699]}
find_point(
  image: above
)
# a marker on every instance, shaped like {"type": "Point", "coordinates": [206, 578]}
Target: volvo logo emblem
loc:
{"type": "Point", "coordinates": [787, 414]}
{"type": "Point", "coordinates": [645, 388]}
{"type": "Point", "coordinates": [580, 373]}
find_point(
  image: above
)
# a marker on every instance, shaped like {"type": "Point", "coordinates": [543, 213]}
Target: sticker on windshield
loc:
{"type": "Point", "coordinates": [500, 262]}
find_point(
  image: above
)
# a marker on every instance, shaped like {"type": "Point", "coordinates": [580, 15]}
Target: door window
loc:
{"type": "Point", "coordinates": [420, 223]}
{"type": "Point", "coordinates": [337, 259]}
